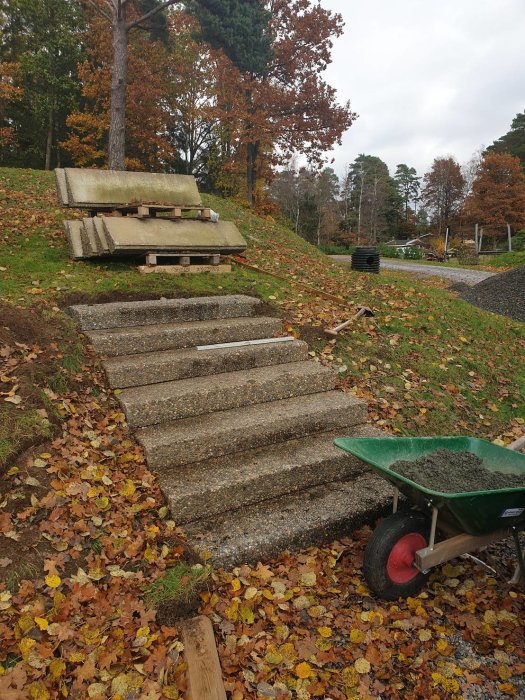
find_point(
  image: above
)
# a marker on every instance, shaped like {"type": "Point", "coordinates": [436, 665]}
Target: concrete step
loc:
{"type": "Point", "coordinates": [235, 481]}
{"type": "Point", "coordinates": [318, 515]}
{"type": "Point", "coordinates": [170, 336]}
{"type": "Point", "coordinates": [170, 401]}
{"type": "Point", "coordinates": [226, 432]}
{"type": "Point", "coordinates": [146, 313]}
{"type": "Point", "coordinates": [171, 365]}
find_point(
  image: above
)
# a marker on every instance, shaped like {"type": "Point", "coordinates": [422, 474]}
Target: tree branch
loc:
{"type": "Point", "coordinates": [98, 9]}
{"type": "Point", "coordinates": [149, 14]}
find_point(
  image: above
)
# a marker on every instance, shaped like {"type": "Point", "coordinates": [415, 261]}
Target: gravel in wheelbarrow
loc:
{"type": "Point", "coordinates": [455, 472]}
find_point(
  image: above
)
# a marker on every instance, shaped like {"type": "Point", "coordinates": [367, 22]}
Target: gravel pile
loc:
{"type": "Point", "coordinates": [455, 472]}
{"type": "Point", "coordinates": [501, 294]}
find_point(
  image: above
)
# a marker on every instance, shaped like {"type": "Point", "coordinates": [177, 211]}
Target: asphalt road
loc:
{"type": "Point", "coordinates": [454, 274]}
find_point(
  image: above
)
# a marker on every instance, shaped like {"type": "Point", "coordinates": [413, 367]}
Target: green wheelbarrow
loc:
{"type": "Point", "coordinates": [440, 526]}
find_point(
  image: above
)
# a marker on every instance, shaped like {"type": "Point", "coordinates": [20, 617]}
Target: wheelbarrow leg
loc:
{"type": "Point", "coordinates": [519, 571]}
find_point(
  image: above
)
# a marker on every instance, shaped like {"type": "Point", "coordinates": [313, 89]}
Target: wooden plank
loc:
{"type": "Point", "coordinates": [186, 270]}
{"type": "Point", "coordinates": [200, 652]}
{"type": "Point", "coordinates": [450, 549]}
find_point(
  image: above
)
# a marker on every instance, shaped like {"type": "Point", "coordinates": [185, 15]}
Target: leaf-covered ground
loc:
{"type": "Point", "coordinates": [84, 530]}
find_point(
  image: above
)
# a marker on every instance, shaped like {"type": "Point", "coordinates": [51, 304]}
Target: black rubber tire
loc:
{"type": "Point", "coordinates": [378, 550]}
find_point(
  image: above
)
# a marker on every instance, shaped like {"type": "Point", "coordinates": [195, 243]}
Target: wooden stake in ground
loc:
{"type": "Point", "coordinates": [200, 652]}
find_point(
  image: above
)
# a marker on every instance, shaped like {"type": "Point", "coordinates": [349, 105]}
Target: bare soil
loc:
{"type": "Point", "coordinates": [455, 472]}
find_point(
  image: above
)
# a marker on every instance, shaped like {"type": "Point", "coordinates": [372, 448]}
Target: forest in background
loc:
{"type": "Point", "coordinates": [239, 103]}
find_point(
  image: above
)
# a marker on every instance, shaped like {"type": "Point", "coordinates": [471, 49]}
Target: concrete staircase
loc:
{"type": "Point", "coordinates": [241, 438]}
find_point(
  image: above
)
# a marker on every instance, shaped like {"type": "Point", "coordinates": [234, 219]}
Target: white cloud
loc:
{"type": "Point", "coordinates": [427, 77]}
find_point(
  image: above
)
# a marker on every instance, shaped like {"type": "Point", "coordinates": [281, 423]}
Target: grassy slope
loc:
{"type": "Point", "coordinates": [434, 365]}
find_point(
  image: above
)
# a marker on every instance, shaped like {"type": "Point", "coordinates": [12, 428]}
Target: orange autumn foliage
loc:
{"type": "Point", "coordinates": [498, 192]}
{"type": "Point", "coordinates": [146, 117]}
{"type": "Point", "coordinates": [9, 94]}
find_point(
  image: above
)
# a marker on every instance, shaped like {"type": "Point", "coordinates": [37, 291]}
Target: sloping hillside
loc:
{"type": "Point", "coordinates": [430, 364]}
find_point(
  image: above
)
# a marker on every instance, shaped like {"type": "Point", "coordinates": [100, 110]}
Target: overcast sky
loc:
{"type": "Point", "coordinates": [428, 78]}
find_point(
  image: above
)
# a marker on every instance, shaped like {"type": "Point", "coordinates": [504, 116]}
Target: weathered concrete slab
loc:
{"type": "Point", "coordinates": [90, 241]}
{"type": "Point", "coordinates": [147, 313]}
{"type": "Point", "coordinates": [130, 235]}
{"type": "Point", "coordinates": [169, 336]}
{"type": "Point", "coordinates": [171, 365]}
{"type": "Point", "coordinates": [207, 488]}
{"type": "Point", "coordinates": [316, 515]}
{"type": "Point", "coordinates": [226, 432]}
{"type": "Point", "coordinates": [99, 232]}
{"type": "Point", "coordinates": [170, 401]}
{"type": "Point", "coordinates": [61, 186]}
{"type": "Point", "coordinates": [74, 240]}
{"type": "Point", "coordinates": [89, 188]}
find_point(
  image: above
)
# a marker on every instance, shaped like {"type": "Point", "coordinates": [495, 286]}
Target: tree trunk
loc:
{"type": "Point", "coordinates": [117, 108]}
{"type": "Point", "coordinates": [251, 170]}
{"type": "Point", "coordinates": [50, 130]}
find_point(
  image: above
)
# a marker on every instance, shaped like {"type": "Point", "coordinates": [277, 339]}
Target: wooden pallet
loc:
{"type": "Point", "coordinates": [184, 259]}
{"type": "Point", "coordinates": [150, 211]}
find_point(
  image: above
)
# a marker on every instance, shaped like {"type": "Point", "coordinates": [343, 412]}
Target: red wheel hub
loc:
{"type": "Point", "coordinates": [400, 565]}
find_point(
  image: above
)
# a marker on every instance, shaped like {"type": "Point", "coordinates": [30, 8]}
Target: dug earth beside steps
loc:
{"type": "Point", "coordinates": [241, 437]}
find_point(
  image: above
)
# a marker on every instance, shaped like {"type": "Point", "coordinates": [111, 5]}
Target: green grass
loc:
{"type": "Point", "coordinates": [179, 584]}
{"type": "Point", "coordinates": [19, 429]}
{"type": "Point", "coordinates": [514, 259]}
{"type": "Point", "coordinates": [428, 340]}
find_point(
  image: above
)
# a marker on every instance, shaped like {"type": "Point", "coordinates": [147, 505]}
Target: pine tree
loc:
{"type": "Point", "coordinates": [513, 142]}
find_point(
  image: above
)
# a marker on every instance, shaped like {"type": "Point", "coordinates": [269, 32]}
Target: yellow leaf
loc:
{"type": "Point", "coordinates": [504, 673]}
{"type": "Point", "coordinates": [170, 692]}
{"type": "Point", "coordinates": [142, 632]}
{"type": "Point", "coordinates": [288, 651]}
{"type": "Point", "coordinates": [236, 585]}
{"type": "Point", "coordinates": [53, 581]}
{"type": "Point", "coordinates": [317, 611]}
{"type": "Point", "coordinates": [273, 658]}
{"type": "Point", "coordinates": [357, 636]}
{"type": "Point", "coordinates": [96, 690]}
{"type": "Point", "coordinates": [38, 691]}
{"type": "Point", "coordinates": [246, 615]}
{"type": "Point", "coordinates": [26, 623]}
{"type": "Point", "coordinates": [128, 489]}
{"type": "Point", "coordinates": [150, 554]}
{"type": "Point", "coordinates": [323, 644]}
{"type": "Point", "coordinates": [308, 578]}
{"type": "Point", "coordinates": [57, 668]}
{"type": "Point", "coordinates": [25, 645]}
{"type": "Point", "coordinates": [251, 592]}
{"type": "Point", "coordinates": [362, 665]}
{"type": "Point", "coordinates": [42, 623]}
{"type": "Point", "coordinates": [102, 502]}
{"type": "Point", "coordinates": [77, 657]}
{"type": "Point", "coordinates": [304, 670]}
{"type": "Point", "coordinates": [425, 635]}
{"type": "Point", "coordinates": [232, 612]}
{"type": "Point", "coordinates": [325, 632]}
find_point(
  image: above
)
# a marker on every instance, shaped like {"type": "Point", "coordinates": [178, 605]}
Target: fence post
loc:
{"type": "Point", "coordinates": [509, 232]}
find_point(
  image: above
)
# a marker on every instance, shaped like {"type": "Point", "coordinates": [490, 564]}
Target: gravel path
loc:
{"type": "Point", "coordinates": [454, 274]}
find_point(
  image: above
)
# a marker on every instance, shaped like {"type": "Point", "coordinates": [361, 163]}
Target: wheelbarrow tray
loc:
{"type": "Point", "coordinates": [473, 512]}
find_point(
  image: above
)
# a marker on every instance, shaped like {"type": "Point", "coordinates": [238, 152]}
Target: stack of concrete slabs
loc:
{"type": "Point", "coordinates": [128, 235]}
{"type": "Point", "coordinates": [108, 189]}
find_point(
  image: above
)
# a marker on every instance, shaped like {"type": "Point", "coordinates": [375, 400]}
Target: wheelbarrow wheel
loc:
{"type": "Point", "coordinates": [389, 567]}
